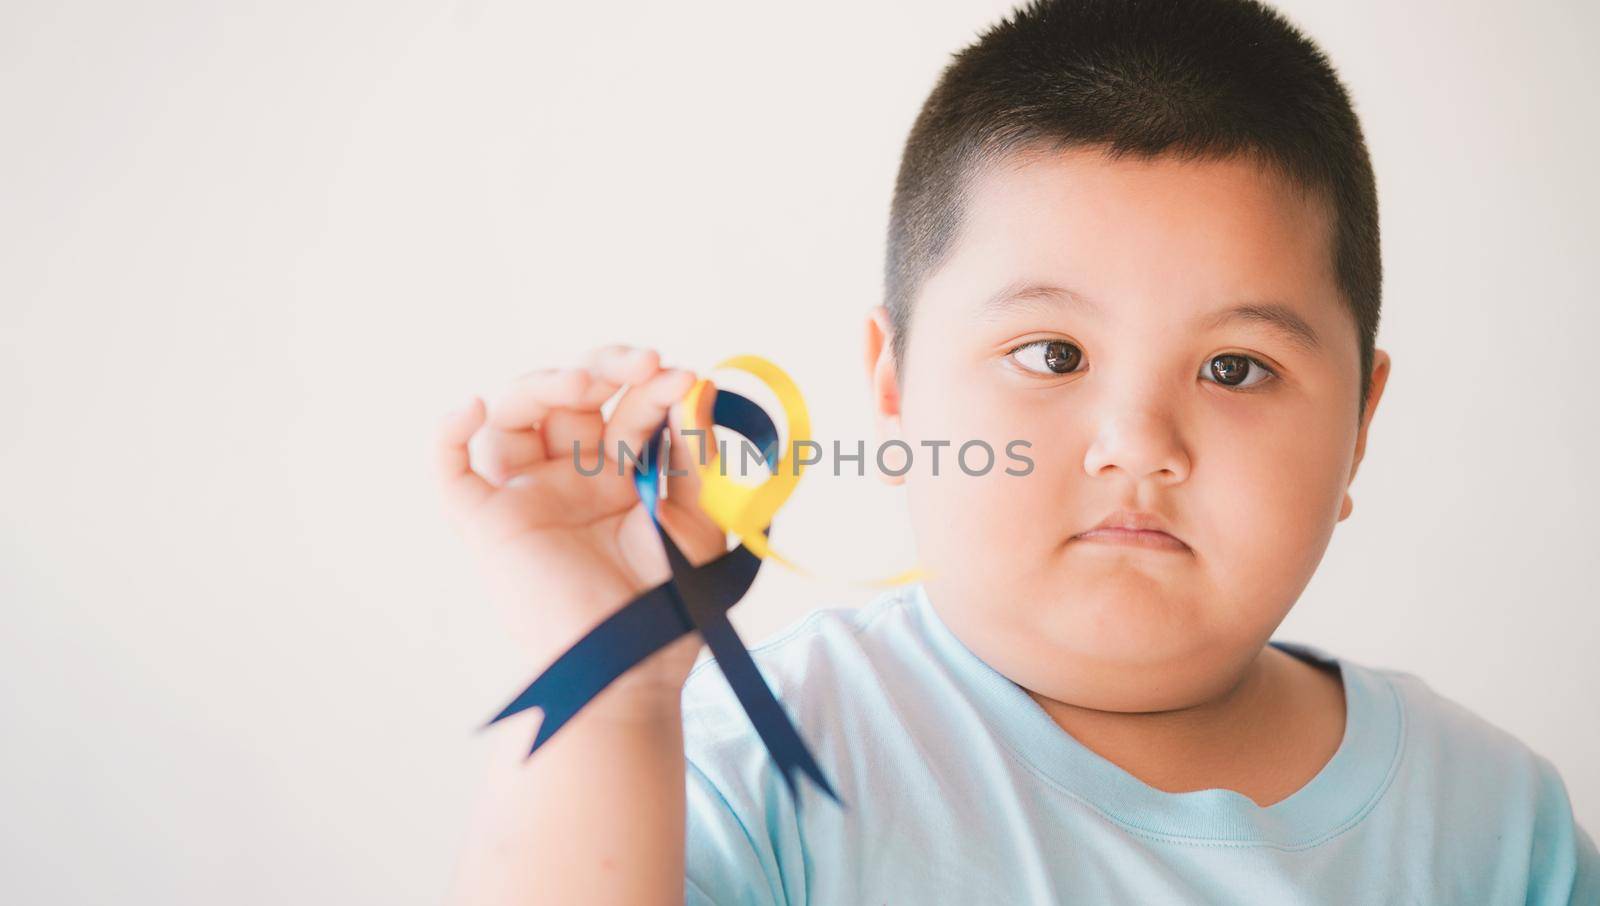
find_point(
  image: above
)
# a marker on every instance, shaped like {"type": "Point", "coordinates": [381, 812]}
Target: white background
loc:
{"type": "Point", "coordinates": [249, 253]}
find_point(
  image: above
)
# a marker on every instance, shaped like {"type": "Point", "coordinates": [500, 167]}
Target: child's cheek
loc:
{"type": "Point", "coordinates": [1269, 512]}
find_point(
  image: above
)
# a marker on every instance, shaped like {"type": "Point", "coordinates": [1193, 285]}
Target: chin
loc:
{"type": "Point", "coordinates": [1131, 621]}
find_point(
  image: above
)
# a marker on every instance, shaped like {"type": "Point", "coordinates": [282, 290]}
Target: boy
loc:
{"type": "Point", "coordinates": [1144, 238]}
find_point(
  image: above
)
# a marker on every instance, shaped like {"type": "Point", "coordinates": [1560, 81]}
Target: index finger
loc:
{"type": "Point", "coordinates": [531, 397]}
{"type": "Point", "coordinates": [606, 368]}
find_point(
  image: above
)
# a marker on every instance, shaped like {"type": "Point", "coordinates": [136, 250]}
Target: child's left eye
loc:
{"type": "Point", "coordinates": [1233, 370]}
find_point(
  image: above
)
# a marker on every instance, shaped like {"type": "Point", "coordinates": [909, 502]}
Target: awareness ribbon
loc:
{"type": "Point", "coordinates": [697, 598]}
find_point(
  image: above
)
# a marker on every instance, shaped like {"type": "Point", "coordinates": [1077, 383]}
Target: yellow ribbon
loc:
{"type": "Point", "coordinates": [745, 511]}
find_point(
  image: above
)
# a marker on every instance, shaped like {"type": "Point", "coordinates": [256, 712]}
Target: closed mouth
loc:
{"type": "Point", "coordinates": [1146, 538]}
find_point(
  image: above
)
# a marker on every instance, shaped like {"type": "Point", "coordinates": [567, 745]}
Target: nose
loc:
{"type": "Point", "coordinates": [1142, 445]}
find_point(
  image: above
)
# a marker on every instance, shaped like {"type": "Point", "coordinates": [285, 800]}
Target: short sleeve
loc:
{"type": "Point", "coordinates": [1564, 868]}
{"type": "Point", "coordinates": [724, 863]}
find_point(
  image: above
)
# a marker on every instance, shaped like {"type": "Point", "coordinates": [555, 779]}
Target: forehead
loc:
{"type": "Point", "coordinates": [1144, 234]}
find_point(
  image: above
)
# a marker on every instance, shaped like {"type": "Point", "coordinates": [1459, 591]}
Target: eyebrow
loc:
{"type": "Point", "coordinates": [1029, 295]}
{"type": "Point", "coordinates": [1280, 318]}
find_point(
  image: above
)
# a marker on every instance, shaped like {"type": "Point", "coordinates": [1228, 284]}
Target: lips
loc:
{"type": "Point", "coordinates": [1135, 529]}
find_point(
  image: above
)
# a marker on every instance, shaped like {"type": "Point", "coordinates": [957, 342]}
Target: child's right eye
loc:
{"type": "Point", "coordinates": [1048, 356]}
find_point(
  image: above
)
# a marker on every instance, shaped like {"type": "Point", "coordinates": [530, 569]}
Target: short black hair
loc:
{"type": "Point", "coordinates": [1193, 79]}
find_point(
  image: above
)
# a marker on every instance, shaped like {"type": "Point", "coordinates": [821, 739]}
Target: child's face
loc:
{"type": "Point", "coordinates": [1252, 480]}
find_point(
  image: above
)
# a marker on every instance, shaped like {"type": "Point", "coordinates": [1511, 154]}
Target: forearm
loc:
{"type": "Point", "coordinates": [595, 816]}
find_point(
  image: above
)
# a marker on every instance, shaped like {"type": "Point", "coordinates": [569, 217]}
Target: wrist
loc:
{"type": "Point", "coordinates": [631, 700]}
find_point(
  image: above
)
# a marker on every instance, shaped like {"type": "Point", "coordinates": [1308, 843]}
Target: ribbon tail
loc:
{"type": "Point", "coordinates": [648, 623]}
{"type": "Point", "coordinates": [783, 742]}
{"type": "Point", "coordinates": [708, 593]}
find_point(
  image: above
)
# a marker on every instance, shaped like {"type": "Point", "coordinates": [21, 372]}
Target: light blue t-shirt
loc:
{"type": "Point", "coordinates": [961, 789]}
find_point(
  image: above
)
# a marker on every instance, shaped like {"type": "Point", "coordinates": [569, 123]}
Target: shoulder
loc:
{"type": "Point", "coordinates": [1441, 727]}
{"type": "Point", "coordinates": [1457, 760]}
{"type": "Point", "coordinates": [1433, 726]}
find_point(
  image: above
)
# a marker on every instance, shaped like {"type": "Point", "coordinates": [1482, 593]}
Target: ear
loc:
{"type": "Point", "coordinates": [1380, 377]}
{"type": "Point", "coordinates": [882, 377]}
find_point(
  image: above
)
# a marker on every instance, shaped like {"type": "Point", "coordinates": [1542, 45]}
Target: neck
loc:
{"type": "Point", "coordinates": [1264, 737]}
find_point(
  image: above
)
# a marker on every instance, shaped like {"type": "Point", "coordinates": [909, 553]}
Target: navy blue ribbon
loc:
{"type": "Point", "coordinates": [696, 598]}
